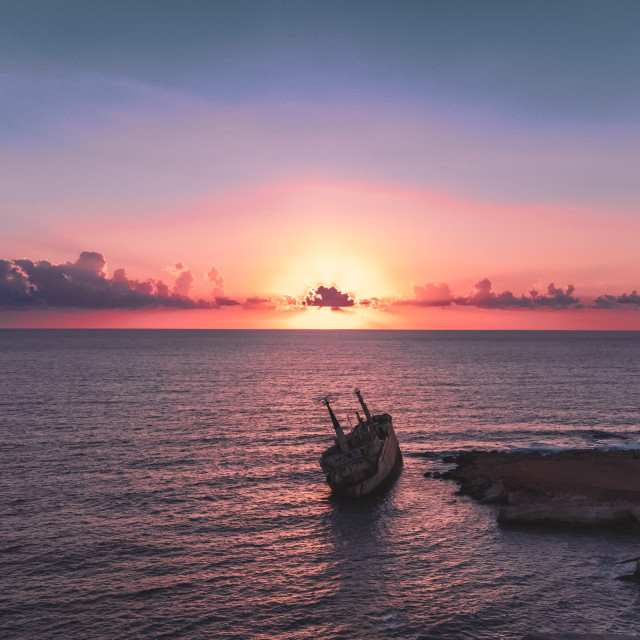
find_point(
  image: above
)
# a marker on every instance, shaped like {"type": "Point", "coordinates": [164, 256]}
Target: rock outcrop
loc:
{"type": "Point", "coordinates": [579, 488]}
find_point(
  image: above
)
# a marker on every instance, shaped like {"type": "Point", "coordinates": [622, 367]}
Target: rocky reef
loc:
{"type": "Point", "coordinates": [577, 488]}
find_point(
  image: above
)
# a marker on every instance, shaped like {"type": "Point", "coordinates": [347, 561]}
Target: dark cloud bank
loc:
{"type": "Point", "coordinates": [84, 284]}
{"type": "Point", "coordinates": [616, 302]}
{"type": "Point", "coordinates": [482, 297]}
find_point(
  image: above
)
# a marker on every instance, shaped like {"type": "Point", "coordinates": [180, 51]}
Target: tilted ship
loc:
{"type": "Point", "coordinates": [366, 459]}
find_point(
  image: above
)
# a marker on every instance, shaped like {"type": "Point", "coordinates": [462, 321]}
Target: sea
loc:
{"type": "Point", "coordinates": [165, 484]}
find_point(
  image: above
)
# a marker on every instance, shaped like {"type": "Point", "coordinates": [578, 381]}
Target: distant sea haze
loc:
{"type": "Point", "coordinates": [166, 484]}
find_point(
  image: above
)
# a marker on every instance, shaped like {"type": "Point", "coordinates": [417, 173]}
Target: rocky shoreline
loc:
{"type": "Point", "coordinates": [577, 488]}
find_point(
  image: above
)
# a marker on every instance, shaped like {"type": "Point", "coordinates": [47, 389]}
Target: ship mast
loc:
{"type": "Point", "coordinates": [340, 437]}
{"type": "Point", "coordinates": [363, 405]}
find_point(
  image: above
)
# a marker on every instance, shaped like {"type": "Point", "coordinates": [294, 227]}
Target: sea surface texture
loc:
{"type": "Point", "coordinates": [166, 484]}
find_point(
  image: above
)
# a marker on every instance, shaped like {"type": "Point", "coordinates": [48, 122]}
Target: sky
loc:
{"type": "Point", "coordinates": [455, 164]}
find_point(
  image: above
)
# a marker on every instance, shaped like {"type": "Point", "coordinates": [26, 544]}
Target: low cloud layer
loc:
{"type": "Point", "coordinates": [440, 295]}
{"type": "Point", "coordinates": [606, 301]}
{"type": "Point", "coordinates": [483, 297]}
{"type": "Point", "coordinates": [430, 295]}
{"type": "Point", "coordinates": [84, 284]}
{"type": "Point", "coordinates": [259, 303]}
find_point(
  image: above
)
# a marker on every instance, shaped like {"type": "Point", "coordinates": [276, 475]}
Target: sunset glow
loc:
{"type": "Point", "coordinates": [221, 179]}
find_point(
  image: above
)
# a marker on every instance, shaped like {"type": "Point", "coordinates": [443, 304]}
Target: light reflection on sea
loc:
{"type": "Point", "coordinates": [166, 484]}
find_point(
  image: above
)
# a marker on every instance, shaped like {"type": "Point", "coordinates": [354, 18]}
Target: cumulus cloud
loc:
{"type": "Point", "coordinates": [90, 261]}
{"type": "Point", "coordinates": [632, 298]}
{"type": "Point", "coordinates": [328, 297]}
{"type": "Point", "coordinates": [84, 284]}
{"type": "Point", "coordinates": [215, 277]}
{"type": "Point", "coordinates": [434, 294]}
{"type": "Point", "coordinates": [483, 296]}
{"type": "Point", "coordinates": [321, 296]}
{"type": "Point", "coordinates": [430, 295]}
{"type": "Point", "coordinates": [608, 301]}
{"type": "Point", "coordinates": [556, 297]}
{"type": "Point", "coordinates": [184, 279]}
{"type": "Point", "coordinates": [183, 283]}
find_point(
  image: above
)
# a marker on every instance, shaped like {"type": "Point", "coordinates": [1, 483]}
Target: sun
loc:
{"type": "Point", "coordinates": [357, 274]}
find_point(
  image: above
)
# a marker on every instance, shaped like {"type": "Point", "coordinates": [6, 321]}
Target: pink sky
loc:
{"type": "Point", "coordinates": [444, 160]}
{"type": "Point", "coordinates": [259, 250]}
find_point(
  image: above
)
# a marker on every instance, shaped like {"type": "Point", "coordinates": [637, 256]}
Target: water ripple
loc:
{"type": "Point", "coordinates": [166, 484]}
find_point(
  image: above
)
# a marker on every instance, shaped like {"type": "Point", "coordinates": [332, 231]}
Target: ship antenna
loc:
{"type": "Point", "coordinates": [363, 405]}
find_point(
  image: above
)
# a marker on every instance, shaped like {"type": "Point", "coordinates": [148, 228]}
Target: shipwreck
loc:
{"type": "Point", "coordinates": [365, 460]}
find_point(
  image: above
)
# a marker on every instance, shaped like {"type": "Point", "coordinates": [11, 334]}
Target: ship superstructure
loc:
{"type": "Point", "coordinates": [365, 459]}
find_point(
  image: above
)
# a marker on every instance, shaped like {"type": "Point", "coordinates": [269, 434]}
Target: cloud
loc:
{"type": "Point", "coordinates": [223, 301]}
{"type": "Point", "coordinates": [608, 301]}
{"type": "Point", "coordinates": [556, 297]}
{"type": "Point", "coordinates": [430, 295]}
{"type": "Point", "coordinates": [483, 296]}
{"type": "Point", "coordinates": [437, 295]}
{"type": "Point", "coordinates": [371, 303]}
{"type": "Point", "coordinates": [184, 279]}
{"type": "Point", "coordinates": [216, 278]}
{"type": "Point", "coordinates": [90, 261]}
{"type": "Point", "coordinates": [183, 284]}
{"type": "Point", "coordinates": [84, 284]}
{"type": "Point", "coordinates": [328, 297]}
{"type": "Point", "coordinates": [257, 303]}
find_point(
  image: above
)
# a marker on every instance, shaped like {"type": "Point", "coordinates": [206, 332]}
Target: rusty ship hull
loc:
{"type": "Point", "coordinates": [364, 461]}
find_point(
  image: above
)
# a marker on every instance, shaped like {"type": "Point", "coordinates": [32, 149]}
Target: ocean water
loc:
{"type": "Point", "coordinates": [165, 484]}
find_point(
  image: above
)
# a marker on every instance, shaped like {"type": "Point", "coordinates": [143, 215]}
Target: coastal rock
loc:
{"type": "Point", "coordinates": [580, 488]}
{"type": "Point", "coordinates": [635, 512]}
{"type": "Point", "coordinates": [566, 511]}
{"type": "Point", "coordinates": [495, 493]}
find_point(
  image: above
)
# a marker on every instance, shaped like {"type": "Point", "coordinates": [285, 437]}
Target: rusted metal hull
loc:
{"type": "Point", "coordinates": [389, 468]}
{"type": "Point", "coordinates": [362, 477]}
